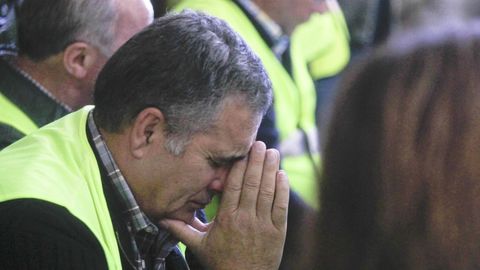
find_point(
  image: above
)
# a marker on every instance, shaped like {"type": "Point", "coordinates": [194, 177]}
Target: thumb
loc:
{"type": "Point", "coordinates": [183, 232]}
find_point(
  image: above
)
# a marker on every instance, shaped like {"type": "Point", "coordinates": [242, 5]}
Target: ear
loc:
{"type": "Point", "coordinates": [78, 59]}
{"type": "Point", "coordinates": [147, 131]}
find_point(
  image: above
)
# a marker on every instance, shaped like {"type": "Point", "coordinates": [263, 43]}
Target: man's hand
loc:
{"type": "Point", "coordinates": [249, 229]}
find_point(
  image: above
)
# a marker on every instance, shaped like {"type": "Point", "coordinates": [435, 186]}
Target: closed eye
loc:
{"type": "Point", "coordinates": [214, 163]}
{"type": "Point", "coordinates": [223, 162]}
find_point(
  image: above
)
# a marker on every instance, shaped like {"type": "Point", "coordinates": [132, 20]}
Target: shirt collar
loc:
{"type": "Point", "coordinates": [27, 76]}
{"type": "Point", "coordinates": [262, 18]}
{"type": "Point", "coordinates": [276, 38]}
{"type": "Point", "coordinates": [137, 219]}
{"type": "Point", "coordinates": [147, 236]}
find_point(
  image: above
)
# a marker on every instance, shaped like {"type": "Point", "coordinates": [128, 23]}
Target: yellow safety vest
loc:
{"type": "Point", "coordinates": [294, 99]}
{"type": "Point", "coordinates": [56, 164]}
{"type": "Point", "coordinates": [11, 115]}
{"type": "Point", "coordinates": [323, 43]}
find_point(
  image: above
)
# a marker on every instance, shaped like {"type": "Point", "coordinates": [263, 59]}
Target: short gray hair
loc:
{"type": "Point", "coordinates": [186, 65]}
{"type": "Point", "coordinates": [47, 27]}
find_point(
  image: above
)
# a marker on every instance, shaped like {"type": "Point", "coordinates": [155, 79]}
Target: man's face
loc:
{"type": "Point", "coordinates": [177, 186]}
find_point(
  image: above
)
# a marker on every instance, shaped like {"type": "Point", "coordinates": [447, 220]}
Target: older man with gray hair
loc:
{"type": "Point", "coordinates": [62, 45]}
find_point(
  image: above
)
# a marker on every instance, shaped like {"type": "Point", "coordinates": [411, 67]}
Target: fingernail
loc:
{"type": "Point", "coordinates": [259, 146]}
{"type": "Point", "coordinates": [272, 156]}
{"type": "Point", "coordinates": [282, 175]}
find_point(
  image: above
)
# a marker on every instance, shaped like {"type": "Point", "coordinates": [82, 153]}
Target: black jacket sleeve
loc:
{"type": "Point", "coordinates": [35, 234]}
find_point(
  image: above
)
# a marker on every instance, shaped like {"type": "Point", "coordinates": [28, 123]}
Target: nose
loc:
{"type": "Point", "coordinates": [219, 179]}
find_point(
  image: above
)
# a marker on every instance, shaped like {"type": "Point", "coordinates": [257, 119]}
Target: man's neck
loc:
{"type": "Point", "coordinates": [266, 19]}
{"type": "Point", "coordinates": [271, 10]}
{"type": "Point", "coordinates": [50, 75]}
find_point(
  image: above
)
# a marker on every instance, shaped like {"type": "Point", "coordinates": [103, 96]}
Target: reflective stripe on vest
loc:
{"type": "Point", "coordinates": [296, 144]}
{"type": "Point", "coordinates": [56, 164]}
{"type": "Point", "coordinates": [300, 153]}
{"type": "Point", "coordinates": [11, 115]}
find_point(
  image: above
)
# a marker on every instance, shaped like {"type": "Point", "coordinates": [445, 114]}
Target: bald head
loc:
{"type": "Point", "coordinates": [133, 16]}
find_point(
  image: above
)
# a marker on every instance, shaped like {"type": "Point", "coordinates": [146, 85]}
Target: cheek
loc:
{"type": "Point", "coordinates": [198, 178]}
{"type": "Point", "coordinates": [205, 176]}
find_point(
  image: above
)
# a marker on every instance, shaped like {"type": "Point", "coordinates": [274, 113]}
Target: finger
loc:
{"type": "Point", "coordinates": [252, 178]}
{"type": "Point", "coordinates": [233, 187]}
{"type": "Point", "coordinates": [280, 203]}
{"type": "Point", "coordinates": [267, 186]}
{"type": "Point", "coordinates": [199, 225]}
{"type": "Point", "coordinates": [183, 232]}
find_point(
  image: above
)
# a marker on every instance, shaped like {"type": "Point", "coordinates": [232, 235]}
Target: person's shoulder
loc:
{"type": "Point", "coordinates": [37, 232]}
{"type": "Point", "coordinates": [43, 213]}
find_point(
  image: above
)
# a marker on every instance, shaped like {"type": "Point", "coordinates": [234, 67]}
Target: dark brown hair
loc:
{"type": "Point", "coordinates": [401, 182]}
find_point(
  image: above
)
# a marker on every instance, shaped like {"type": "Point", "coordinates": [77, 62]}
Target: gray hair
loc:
{"type": "Point", "coordinates": [47, 27]}
{"type": "Point", "coordinates": [186, 65]}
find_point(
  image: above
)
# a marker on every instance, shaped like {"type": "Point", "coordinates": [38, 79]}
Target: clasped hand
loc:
{"type": "Point", "coordinates": [249, 229]}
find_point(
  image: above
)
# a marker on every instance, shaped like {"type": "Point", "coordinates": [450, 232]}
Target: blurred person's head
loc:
{"type": "Point", "coordinates": [178, 104]}
{"type": "Point", "coordinates": [290, 13]}
{"type": "Point", "coordinates": [371, 22]}
{"type": "Point", "coordinates": [401, 183]}
{"type": "Point", "coordinates": [63, 44]}
{"type": "Point", "coordinates": [410, 14]}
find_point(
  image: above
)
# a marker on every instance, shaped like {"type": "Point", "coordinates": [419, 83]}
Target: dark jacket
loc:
{"type": "Point", "coordinates": [29, 98]}
{"type": "Point", "coordinates": [36, 234]}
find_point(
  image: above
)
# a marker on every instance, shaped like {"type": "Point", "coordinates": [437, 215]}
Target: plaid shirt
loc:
{"type": "Point", "coordinates": [148, 240]}
{"type": "Point", "coordinates": [276, 39]}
